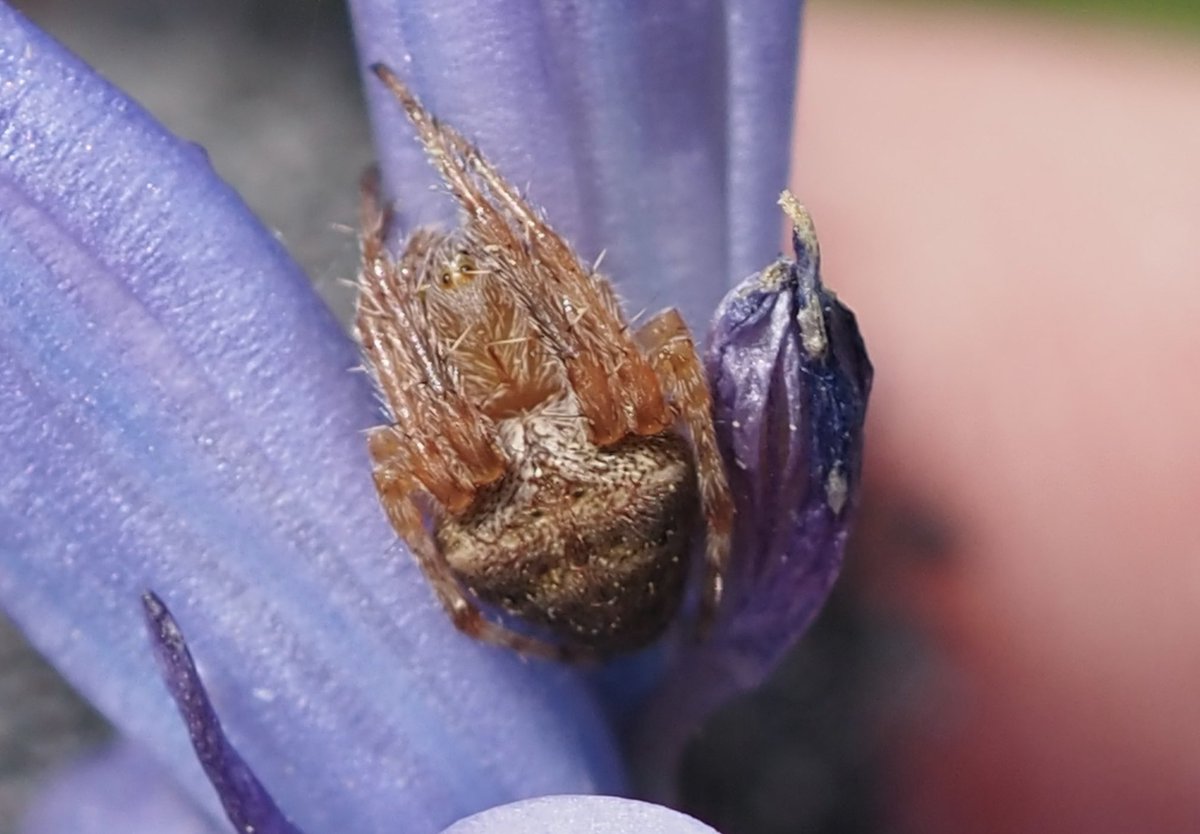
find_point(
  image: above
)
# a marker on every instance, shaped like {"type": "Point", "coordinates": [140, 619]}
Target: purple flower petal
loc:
{"type": "Point", "coordinates": [124, 792]}
{"type": "Point", "coordinates": [179, 415]}
{"type": "Point", "coordinates": [762, 37]}
{"type": "Point", "coordinates": [790, 379]}
{"type": "Point", "coordinates": [590, 814]}
{"type": "Point", "coordinates": [246, 802]}
{"type": "Point", "coordinates": [120, 790]}
{"type": "Point", "coordinates": [658, 133]}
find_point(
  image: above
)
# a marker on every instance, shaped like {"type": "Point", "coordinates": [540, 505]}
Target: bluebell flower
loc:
{"type": "Point", "coordinates": [179, 417]}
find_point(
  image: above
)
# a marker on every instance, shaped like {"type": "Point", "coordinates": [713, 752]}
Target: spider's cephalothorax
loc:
{"type": "Point", "coordinates": [569, 459]}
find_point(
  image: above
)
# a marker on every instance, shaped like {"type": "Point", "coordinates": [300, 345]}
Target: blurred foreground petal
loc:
{"type": "Point", "coordinates": [580, 815]}
{"type": "Point", "coordinates": [657, 133]}
{"type": "Point", "coordinates": [120, 790]}
{"type": "Point", "coordinates": [180, 416]}
{"type": "Point", "coordinates": [790, 379]}
{"type": "Point", "coordinates": [124, 792]}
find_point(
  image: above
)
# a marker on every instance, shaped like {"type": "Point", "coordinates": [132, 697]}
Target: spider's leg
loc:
{"type": "Point", "coordinates": [575, 312]}
{"type": "Point", "coordinates": [454, 443]}
{"type": "Point", "coordinates": [392, 455]}
{"type": "Point", "coordinates": [668, 343]}
{"type": "Point", "coordinates": [439, 443]}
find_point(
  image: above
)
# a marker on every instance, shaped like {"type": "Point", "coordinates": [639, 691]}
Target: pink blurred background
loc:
{"type": "Point", "coordinates": [1011, 202]}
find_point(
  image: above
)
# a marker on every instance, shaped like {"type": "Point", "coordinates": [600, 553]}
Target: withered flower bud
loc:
{"type": "Point", "coordinates": [790, 379]}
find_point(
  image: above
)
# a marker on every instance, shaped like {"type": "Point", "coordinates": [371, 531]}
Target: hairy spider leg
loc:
{"type": "Point", "coordinates": [392, 456]}
{"type": "Point", "coordinates": [575, 312]}
{"type": "Point", "coordinates": [446, 448]}
{"type": "Point", "coordinates": [457, 445]}
{"type": "Point", "coordinates": [668, 342]}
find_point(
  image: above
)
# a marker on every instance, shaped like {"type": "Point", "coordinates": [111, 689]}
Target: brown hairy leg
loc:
{"type": "Point", "coordinates": [669, 345]}
{"type": "Point", "coordinates": [454, 445]}
{"type": "Point", "coordinates": [617, 389]}
{"type": "Point", "coordinates": [391, 453]}
{"type": "Point", "coordinates": [440, 444]}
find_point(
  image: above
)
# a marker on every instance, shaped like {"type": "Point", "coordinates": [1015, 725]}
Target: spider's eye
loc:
{"type": "Point", "coordinates": [460, 270]}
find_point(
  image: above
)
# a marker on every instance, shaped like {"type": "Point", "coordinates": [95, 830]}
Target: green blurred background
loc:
{"type": "Point", "coordinates": [1173, 14]}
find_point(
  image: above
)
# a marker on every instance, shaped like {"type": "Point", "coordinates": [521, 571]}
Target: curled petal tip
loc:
{"type": "Point", "coordinates": [804, 233]}
{"type": "Point", "coordinates": [246, 802]}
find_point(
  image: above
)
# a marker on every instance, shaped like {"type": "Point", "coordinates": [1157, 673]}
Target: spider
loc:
{"type": "Point", "coordinates": [565, 459]}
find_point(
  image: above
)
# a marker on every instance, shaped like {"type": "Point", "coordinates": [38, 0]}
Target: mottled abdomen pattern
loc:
{"type": "Point", "coordinates": [589, 542]}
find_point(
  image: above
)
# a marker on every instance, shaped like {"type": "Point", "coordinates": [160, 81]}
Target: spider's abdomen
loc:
{"type": "Point", "coordinates": [591, 544]}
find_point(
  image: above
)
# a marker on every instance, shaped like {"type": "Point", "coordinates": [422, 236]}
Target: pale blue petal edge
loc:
{"type": "Point", "coordinates": [180, 416]}
{"type": "Point", "coordinates": [658, 133]}
{"type": "Point", "coordinates": [582, 814]}
{"type": "Point", "coordinates": [123, 791]}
